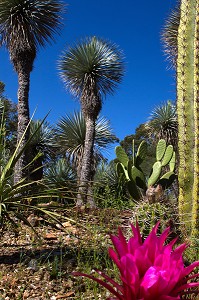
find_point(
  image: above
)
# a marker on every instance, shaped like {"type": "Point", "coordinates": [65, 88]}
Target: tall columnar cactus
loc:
{"type": "Point", "coordinates": [137, 183]}
{"type": "Point", "coordinates": [188, 114]}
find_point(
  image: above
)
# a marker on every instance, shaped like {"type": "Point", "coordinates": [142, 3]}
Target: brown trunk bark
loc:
{"type": "Point", "coordinates": [87, 163]}
{"type": "Point", "coordinates": [23, 120]}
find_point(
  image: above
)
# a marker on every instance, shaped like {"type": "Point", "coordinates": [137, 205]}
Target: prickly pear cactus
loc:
{"type": "Point", "coordinates": [136, 181]}
{"type": "Point", "coordinates": [164, 155]}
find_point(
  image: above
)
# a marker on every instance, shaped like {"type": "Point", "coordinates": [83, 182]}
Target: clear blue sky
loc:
{"type": "Point", "coordinates": [133, 25]}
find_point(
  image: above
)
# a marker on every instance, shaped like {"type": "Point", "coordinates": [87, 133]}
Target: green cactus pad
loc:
{"type": "Point", "coordinates": [119, 169]}
{"type": "Point", "coordinates": [122, 170]}
{"type": "Point", "coordinates": [141, 153]}
{"type": "Point", "coordinates": [133, 190]}
{"type": "Point", "coordinates": [121, 155]}
{"type": "Point", "coordinates": [160, 149]}
{"type": "Point", "coordinates": [167, 179]}
{"type": "Point", "coordinates": [138, 177]}
{"type": "Point", "coordinates": [167, 155]}
{"type": "Point", "coordinates": [155, 173]}
{"type": "Point", "coordinates": [129, 167]}
{"type": "Point", "coordinates": [172, 162]}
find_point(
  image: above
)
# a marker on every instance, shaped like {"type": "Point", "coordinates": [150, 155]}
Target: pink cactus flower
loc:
{"type": "Point", "coordinates": [149, 269]}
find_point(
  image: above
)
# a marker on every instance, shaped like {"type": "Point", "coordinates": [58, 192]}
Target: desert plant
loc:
{"type": "Point", "coordinates": [60, 176]}
{"type": "Point", "coordinates": [170, 35]}
{"type": "Point", "coordinates": [16, 198]}
{"type": "Point", "coordinates": [71, 132]}
{"type": "Point", "coordinates": [148, 268]}
{"type": "Point", "coordinates": [147, 215]}
{"type": "Point", "coordinates": [162, 123]}
{"type": "Point", "coordinates": [24, 26]}
{"type": "Point", "coordinates": [42, 141]}
{"type": "Point", "coordinates": [109, 188]}
{"type": "Point", "coordinates": [90, 70]}
{"type": "Point", "coordinates": [135, 177]}
{"type": "Point", "coordinates": [188, 114]}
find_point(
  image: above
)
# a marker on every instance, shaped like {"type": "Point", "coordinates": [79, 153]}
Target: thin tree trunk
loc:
{"type": "Point", "coordinates": [87, 161]}
{"type": "Point", "coordinates": [23, 120]}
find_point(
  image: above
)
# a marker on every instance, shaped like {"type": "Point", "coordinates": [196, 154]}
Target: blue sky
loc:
{"type": "Point", "coordinates": [133, 25]}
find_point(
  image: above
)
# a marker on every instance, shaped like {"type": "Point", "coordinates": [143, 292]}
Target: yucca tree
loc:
{"type": "Point", "coordinates": [169, 35]}
{"type": "Point", "coordinates": [162, 123]}
{"type": "Point", "coordinates": [60, 176]}
{"type": "Point", "coordinates": [2, 89]}
{"type": "Point", "coordinates": [43, 141]}
{"type": "Point", "coordinates": [107, 180]}
{"type": "Point", "coordinates": [71, 132]}
{"type": "Point", "coordinates": [9, 108]}
{"type": "Point", "coordinates": [25, 25]}
{"type": "Point", "coordinates": [90, 70]}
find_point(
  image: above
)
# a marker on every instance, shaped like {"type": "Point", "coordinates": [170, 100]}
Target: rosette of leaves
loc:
{"type": "Point", "coordinates": [15, 199]}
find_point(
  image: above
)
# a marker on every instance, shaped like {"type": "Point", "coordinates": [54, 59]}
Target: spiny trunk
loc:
{"type": "Point", "coordinates": [23, 120]}
{"type": "Point", "coordinates": [87, 163]}
{"type": "Point", "coordinates": [188, 115]}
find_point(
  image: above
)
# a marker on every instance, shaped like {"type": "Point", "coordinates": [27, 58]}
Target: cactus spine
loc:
{"type": "Point", "coordinates": [188, 114]}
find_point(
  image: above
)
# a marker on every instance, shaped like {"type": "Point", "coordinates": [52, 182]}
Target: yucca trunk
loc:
{"type": "Point", "coordinates": [87, 163]}
{"type": "Point", "coordinates": [188, 115]}
{"type": "Point", "coordinates": [23, 120]}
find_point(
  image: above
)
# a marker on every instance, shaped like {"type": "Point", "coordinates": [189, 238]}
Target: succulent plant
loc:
{"type": "Point", "coordinates": [188, 115]}
{"type": "Point", "coordinates": [130, 168]}
{"type": "Point", "coordinates": [148, 214]}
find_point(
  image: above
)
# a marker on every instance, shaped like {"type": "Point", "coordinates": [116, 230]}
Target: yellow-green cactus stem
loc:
{"type": "Point", "coordinates": [195, 197]}
{"type": "Point", "coordinates": [185, 108]}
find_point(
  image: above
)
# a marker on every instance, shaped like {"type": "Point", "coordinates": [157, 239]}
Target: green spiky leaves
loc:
{"type": "Point", "coordinates": [29, 23]}
{"type": "Point", "coordinates": [91, 64]}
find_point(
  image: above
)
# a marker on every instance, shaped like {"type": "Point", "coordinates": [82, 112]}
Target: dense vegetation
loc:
{"type": "Point", "coordinates": [60, 197]}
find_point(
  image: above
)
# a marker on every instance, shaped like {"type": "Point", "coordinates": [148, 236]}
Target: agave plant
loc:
{"type": "Point", "coordinates": [15, 198]}
{"type": "Point", "coordinates": [149, 269]}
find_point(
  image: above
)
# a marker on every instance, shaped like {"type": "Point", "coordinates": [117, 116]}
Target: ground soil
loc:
{"type": "Point", "coordinates": [30, 263]}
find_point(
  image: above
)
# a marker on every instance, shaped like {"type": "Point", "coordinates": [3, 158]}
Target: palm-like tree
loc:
{"type": "Point", "coordinates": [43, 141]}
{"type": "Point", "coordinates": [162, 123]}
{"type": "Point", "coordinates": [60, 176]}
{"type": "Point", "coordinates": [24, 26]}
{"type": "Point", "coordinates": [90, 70]}
{"type": "Point", "coordinates": [170, 34]}
{"type": "Point", "coordinates": [71, 132]}
{"type": "Point", "coordinates": [2, 89]}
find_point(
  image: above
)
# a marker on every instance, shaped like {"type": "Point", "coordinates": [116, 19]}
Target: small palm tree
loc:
{"type": "Point", "coordinates": [162, 123]}
{"type": "Point", "coordinates": [24, 26]}
{"type": "Point", "coordinates": [90, 70]}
